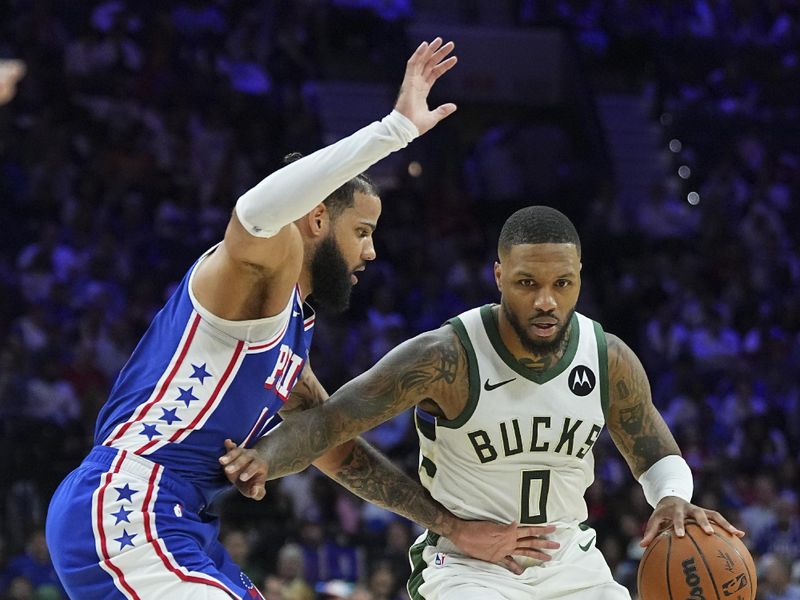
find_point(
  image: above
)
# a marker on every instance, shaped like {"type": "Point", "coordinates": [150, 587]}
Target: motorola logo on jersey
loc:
{"type": "Point", "coordinates": [581, 380]}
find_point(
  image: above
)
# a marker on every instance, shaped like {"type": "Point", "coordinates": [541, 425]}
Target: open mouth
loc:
{"type": "Point", "coordinates": [353, 276]}
{"type": "Point", "coordinates": [544, 329]}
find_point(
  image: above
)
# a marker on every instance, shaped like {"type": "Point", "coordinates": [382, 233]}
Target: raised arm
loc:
{"type": "Point", "coordinates": [645, 441]}
{"type": "Point", "coordinates": [262, 251]}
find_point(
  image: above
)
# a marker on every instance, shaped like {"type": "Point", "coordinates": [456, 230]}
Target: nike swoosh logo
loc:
{"type": "Point", "coordinates": [586, 547]}
{"type": "Point", "coordinates": [493, 386]}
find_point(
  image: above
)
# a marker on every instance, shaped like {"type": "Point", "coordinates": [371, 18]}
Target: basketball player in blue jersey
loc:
{"type": "Point", "coordinates": [509, 399]}
{"type": "Point", "coordinates": [229, 351]}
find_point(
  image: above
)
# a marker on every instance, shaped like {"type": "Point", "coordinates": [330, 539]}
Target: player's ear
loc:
{"type": "Point", "coordinates": [318, 220]}
{"type": "Point", "coordinates": [498, 271]}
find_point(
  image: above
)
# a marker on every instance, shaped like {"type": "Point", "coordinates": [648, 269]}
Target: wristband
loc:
{"type": "Point", "coordinates": [670, 476]}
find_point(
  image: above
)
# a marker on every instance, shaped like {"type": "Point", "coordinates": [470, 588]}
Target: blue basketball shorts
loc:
{"type": "Point", "coordinates": [120, 526]}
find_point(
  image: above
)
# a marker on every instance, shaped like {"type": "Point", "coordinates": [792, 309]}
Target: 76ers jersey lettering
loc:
{"type": "Point", "coordinates": [195, 380]}
{"type": "Point", "coordinates": [285, 372]}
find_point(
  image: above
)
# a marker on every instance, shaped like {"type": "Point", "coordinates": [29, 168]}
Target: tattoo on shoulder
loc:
{"type": "Point", "coordinates": [432, 365]}
{"type": "Point", "coordinates": [439, 362]}
{"type": "Point", "coordinates": [636, 426]}
{"type": "Point", "coordinates": [626, 375]}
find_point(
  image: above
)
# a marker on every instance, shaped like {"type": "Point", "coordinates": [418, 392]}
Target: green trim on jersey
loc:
{"type": "Point", "coordinates": [531, 374]}
{"type": "Point", "coordinates": [602, 361]}
{"type": "Point", "coordinates": [428, 465]}
{"type": "Point", "coordinates": [418, 565]}
{"type": "Point", "coordinates": [474, 378]}
{"type": "Point", "coordinates": [426, 428]}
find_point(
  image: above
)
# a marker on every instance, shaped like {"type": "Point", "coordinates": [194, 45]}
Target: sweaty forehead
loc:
{"type": "Point", "coordinates": [528, 257]}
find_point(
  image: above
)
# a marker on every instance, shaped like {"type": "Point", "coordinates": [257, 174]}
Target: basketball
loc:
{"type": "Point", "coordinates": [697, 566]}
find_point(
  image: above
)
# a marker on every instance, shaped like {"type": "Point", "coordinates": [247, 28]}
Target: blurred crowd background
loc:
{"type": "Point", "coordinates": [669, 131]}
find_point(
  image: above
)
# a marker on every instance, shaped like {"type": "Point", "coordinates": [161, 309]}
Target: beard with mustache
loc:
{"type": "Point", "coordinates": [534, 346]}
{"type": "Point", "coordinates": [330, 277]}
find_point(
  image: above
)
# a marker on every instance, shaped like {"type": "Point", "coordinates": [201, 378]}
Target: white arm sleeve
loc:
{"type": "Point", "coordinates": [290, 192]}
{"type": "Point", "coordinates": [670, 476]}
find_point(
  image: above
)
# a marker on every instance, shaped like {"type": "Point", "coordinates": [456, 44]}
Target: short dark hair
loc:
{"type": "Point", "coordinates": [342, 197]}
{"type": "Point", "coordinates": [537, 225]}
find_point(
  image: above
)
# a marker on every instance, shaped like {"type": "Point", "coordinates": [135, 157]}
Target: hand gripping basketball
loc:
{"type": "Point", "coordinates": [696, 565]}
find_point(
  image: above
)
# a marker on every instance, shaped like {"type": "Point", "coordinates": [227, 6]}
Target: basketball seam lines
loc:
{"type": "Point", "coordinates": [669, 552]}
{"type": "Point", "coordinates": [705, 562]}
{"type": "Point", "coordinates": [652, 549]}
{"type": "Point", "coordinates": [744, 562]}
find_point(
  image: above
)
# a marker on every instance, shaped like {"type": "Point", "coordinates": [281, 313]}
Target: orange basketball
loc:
{"type": "Point", "coordinates": [697, 566]}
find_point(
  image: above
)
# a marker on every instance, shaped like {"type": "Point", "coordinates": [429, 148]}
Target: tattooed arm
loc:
{"type": "Point", "coordinates": [364, 471]}
{"type": "Point", "coordinates": [431, 368]}
{"type": "Point", "coordinates": [635, 425]}
{"type": "Point", "coordinates": [643, 438]}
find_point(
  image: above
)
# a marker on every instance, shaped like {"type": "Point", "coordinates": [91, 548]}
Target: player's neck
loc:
{"type": "Point", "coordinates": [304, 283]}
{"type": "Point", "coordinates": [537, 361]}
{"type": "Point", "coordinates": [544, 361]}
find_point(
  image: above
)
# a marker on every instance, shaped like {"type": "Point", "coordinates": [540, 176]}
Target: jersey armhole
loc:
{"type": "Point", "coordinates": [254, 331]}
{"type": "Point", "coordinates": [474, 378]}
{"type": "Point", "coordinates": [602, 365]}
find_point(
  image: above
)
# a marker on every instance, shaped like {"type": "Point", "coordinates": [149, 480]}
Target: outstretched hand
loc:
{"type": "Point", "coordinates": [496, 543]}
{"type": "Point", "coordinates": [675, 511]}
{"type": "Point", "coordinates": [245, 469]}
{"type": "Point", "coordinates": [11, 71]}
{"type": "Point", "coordinates": [429, 62]}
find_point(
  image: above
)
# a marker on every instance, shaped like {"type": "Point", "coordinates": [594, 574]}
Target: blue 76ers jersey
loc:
{"type": "Point", "coordinates": [195, 380]}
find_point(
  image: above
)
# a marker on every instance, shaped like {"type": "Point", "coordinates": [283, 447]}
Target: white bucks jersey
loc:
{"type": "Point", "coordinates": [522, 448]}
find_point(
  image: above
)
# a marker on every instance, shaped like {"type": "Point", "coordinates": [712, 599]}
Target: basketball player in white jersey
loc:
{"type": "Point", "coordinates": [510, 398]}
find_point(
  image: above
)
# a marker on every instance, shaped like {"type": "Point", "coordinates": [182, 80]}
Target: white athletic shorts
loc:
{"type": "Point", "coordinates": [577, 571]}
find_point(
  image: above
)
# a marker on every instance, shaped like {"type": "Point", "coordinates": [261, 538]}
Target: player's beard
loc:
{"type": "Point", "coordinates": [532, 345]}
{"type": "Point", "coordinates": [330, 277]}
